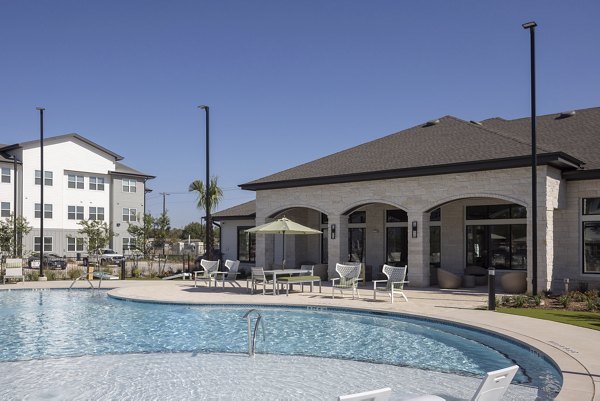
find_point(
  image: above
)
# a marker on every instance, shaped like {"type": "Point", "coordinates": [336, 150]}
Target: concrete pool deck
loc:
{"type": "Point", "coordinates": [574, 349]}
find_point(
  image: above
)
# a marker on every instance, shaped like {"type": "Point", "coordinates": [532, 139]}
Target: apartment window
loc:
{"type": "Point", "coordinates": [4, 209]}
{"type": "Point", "coordinates": [75, 181]}
{"type": "Point", "coordinates": [246, 249]}
{"type": "Point", "coordinates": [96, 213]}
{"type": "Point", "coordinates": [128, 244]}
{"type": "Point", "coordinates": [5, 174]}
{"type": "Point", "coordinates": [48, 178]}
{"type": "Point", "coordinates": [47, 210]}
{"type": "Point", "coordinates": [129, 214]}
{"type": "Point", "coordinates": [74, 244]}
{"type": "Point", "coordinates": [97, 183]}
{"type": "Point", "coordinates": [591, 235]}
{"type": "Point", "coordinates": [75, 212]}
{"type": "Point", "coordinates": [47, 244]}
{"type": "Point", "coordinates": [129, 185]}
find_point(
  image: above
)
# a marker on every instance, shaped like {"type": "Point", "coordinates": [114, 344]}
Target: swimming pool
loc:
{"type": "Point", "coordinates": [57, 325]}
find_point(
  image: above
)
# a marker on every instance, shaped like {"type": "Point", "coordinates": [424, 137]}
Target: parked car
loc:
{"type": "Point", "coordinates": [51, 261]}
{"type": "Point", "coordinates": [108, 256]}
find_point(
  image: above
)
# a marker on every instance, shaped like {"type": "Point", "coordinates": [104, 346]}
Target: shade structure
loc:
{"type": "Point", "coordinates": [283, 226]}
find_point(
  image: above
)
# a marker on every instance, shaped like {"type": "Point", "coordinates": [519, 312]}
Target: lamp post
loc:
{"type": "Point", "coordinates": [531, 26]}
{"type": "Point", "coordinates": [207, 189]}
{"type": "Point", "coordinates": [14, 157]}
{"type": "Point", "coordinates": [41, 110]}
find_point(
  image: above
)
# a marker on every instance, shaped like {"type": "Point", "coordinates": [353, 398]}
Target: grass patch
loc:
{"type": "Point", "coordinates": [589, 320]}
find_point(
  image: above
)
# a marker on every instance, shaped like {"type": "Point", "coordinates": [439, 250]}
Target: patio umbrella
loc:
{"type": "Point", "coordinates": [284, 227]}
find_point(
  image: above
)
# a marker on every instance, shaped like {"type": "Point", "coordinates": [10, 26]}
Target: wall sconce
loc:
{"type": "Point", "coordinates": [333, 231]}
{"type": "Point", "coordinates": [414, 229]}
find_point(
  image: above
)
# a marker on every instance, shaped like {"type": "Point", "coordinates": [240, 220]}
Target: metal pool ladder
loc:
{"type": "Point", "coordinates": [84, 276]}
{"type": "Point", "coordinates": [252, 334]}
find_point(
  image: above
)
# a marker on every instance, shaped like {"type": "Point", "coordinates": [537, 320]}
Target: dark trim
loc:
{"type": "Point", "coordinates": [583, 247]}
{"type": "Point", "coordinates": [146, 176]}
{"type": "Point", "coordinates": [557, 159]}
{"type": "Point", "coordinates": [224, 218]}
{"type": "Point", "coordinates": [237, 238]}
{"type": "Point", "coordinates": [582, 175]}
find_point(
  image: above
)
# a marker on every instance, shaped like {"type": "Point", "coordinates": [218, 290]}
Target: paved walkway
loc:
{"type": "Point", "coordinates": [574, 349]}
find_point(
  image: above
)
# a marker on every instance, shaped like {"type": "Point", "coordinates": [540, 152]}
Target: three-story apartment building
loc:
{"type": "Point", "coordinates": [82, 180]}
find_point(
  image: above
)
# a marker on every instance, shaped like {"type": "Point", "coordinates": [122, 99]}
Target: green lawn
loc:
{"type": "Point", "coordinates": [590, 320]}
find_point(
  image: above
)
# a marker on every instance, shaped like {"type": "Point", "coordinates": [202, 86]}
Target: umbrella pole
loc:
{"type": "Point", "coordinates": [283, 250]}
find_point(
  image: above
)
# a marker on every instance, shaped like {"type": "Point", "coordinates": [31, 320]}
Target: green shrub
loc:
{"type": "Point", "coordinates": [577, 296]}
{"type": "Point", "coordinates": [75, 273]}
{"type": "Point", "coordinates": [591, 294]}
{"type": "Point", "coordinates": [499, 301]}
{"type": "Point", "coordinates": [136, 272]}
{"type": "Point", "coordinates": [520, 300]}
{"type": "Point", "coordinates": [506, 300]}
{"type": "Point", "coordinates": [592, 304]}
{"type": "Point", "coordinates": [51, 275]}
{"type": "Point", "coordinates": [565, 300]}
{"type": "Point", "coordinates": [536, 300]}
{"type": "Point", "coordinates": [33, 276]}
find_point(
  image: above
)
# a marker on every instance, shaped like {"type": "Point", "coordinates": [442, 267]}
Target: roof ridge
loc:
{"type": "Point", "coordinates": [505, 135]}
{"type": "Point", "coordinates": [551, 114]}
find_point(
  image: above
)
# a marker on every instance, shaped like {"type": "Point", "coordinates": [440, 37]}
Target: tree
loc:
{"type": "Point", "coordinates": [215, 194]}
{"type": "Point", "coordinates": [193, 230]}
{"type": "Point", "coordinates": [141, 234]}
{"type": "Point", "coordinates": [98, 235]}
{"type": "Point", "coordinates": [7, 234]}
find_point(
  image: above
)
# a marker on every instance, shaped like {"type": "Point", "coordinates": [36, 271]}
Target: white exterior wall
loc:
{"type": "Point", "coordinates": [229, 240]}
{"type": "Point", "coordinates": [418, 195]}
{"type": "Point", "coordinates": [7, 189]}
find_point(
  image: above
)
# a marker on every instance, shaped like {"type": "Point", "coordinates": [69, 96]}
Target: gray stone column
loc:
{"type": "Point", "coordinates": [337, 248]}
{"type": "Point", "coordinates": [418, 250]}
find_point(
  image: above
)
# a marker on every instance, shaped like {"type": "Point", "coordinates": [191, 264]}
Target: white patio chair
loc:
{"type": "Point", "coordinates": [208, 273]}
{"type": "Point", "coordinates": [259, 277]}
{"type": "Point", "coordinates": [396, 278]}
{"type": "Point", "coordinates": [232, 267]}
{"type": "Point", "coordinates": [492, 387]}
{"type": "Point", "coordinates": [13, 270]}
{"type": "Point", "coordinates": [348, 280]}
{"type": "Point", "coordinates": [382, 394]}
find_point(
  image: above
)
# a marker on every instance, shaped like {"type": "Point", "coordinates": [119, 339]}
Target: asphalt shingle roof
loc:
{"type": "Point", "coordinates": [452, 141]}
{"type": "Point", "coordinates": [244, 210]}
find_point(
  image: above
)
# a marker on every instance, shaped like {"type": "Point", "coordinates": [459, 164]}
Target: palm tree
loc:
{"type": "Point", "coordinates": [215, 194]}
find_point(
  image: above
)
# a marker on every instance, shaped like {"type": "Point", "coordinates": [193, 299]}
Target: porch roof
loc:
{"type": "Point", "coordinates": [451, 145]}
{"type": "Point", "coordinates": [244, 211]}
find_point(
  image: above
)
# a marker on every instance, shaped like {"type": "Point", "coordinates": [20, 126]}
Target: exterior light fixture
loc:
{"type": "Point", "coordinates": [333, 231]}
{"type": "Point", "coordinates": [414, 229]}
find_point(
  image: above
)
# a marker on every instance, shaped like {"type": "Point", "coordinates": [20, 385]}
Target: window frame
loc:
{"type": "Point", "coordinates": [4, 210]}
{"type": "Point", "coordinates": [129, 217]}
{"type": "Point", "coordinates": [77, 215]}
{"type": "Point", "coordinates": [250, 239]}
{"type": "Point", "coordinates": [37, 239]}
{"type": "Point", "coordinates": [48, 210]}
{"type": "Point", "coordinates": [5, 174]}
{"type": "Point", "coordinates": [76, 243]}
{"type": "Point", "coordinates": [126, 185]}
{"type": "Point", "coordinates": [96, 183]}
{"type": "Point", "coordinates": [75, 181]}
{"type": "Point", "coordinates": [96, 213]}
{"type": "Point", "coordinates": [587, 218]}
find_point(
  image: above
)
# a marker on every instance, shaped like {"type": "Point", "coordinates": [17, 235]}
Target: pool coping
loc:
{"type": "Point", "coordinates": [570, 348]}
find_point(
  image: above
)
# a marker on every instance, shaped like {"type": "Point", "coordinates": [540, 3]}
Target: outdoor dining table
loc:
{"type": "Point", "coordinates": [277, 272]}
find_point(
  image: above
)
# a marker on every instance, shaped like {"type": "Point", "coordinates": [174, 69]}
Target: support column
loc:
{"type": "Point", "coordinates": [418, 250]}
{"type": "Point", "coordinates": [337, 248]}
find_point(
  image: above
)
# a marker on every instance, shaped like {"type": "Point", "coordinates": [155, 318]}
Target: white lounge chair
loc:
{"type": "Point", "coordinates": [208, 273]}
{"type": "Point", "coordinates": [259, 277]}
{"type": "Point", "coordinates": [396, 278]}
{"type": "Point", "coordinates": [382, 394]}
{"type": "Point", "coordinates": [232, 267]}
{"type": "Point", "coordinates": [492, 387]}
{"type": "Point", "coordinates": [349, 277]}
{"type": "Point", "coordinates": [13, 270]}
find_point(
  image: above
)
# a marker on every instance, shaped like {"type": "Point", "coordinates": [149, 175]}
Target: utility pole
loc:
{"type": "Point", "coordinates": [164, 195]}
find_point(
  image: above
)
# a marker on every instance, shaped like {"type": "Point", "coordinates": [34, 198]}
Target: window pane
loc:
{"type": "Point", "coordinates": [477, 246]}
{"type": "Point", "coordinates": [477, 212]}
{"type": "Point", "coordinates": [518, 212]}
{"type": "Point", "coordinates": [499, 211]}
{"type": "Point", "coordinates": [324, 245]}
{"type": "Point", "coordinates": [591, 206]}
{"type": "Point", "coordinates": [48, 178]}
{"type": "Point", "coordinates": [71, 244]}
{"type": "Point", "coordinates": [5, 209]}
{"type": "Point", "coordinates": [436, 215]}
{"type": "Point", "coordinates": [435, 245]}
{"type": "Point", "coordinates": [518, 246]}
{"type": "Point", "coordinates": [5, 175]}
{"type": "Point", "coordinates": [324, 218]}
{"type": "Point", "coordinates": [396, 216]}
{"type": "Point", "coordinates": [38, 177]}
{"type": "Point", "coordinates": [356, 244]}
{"type": "Point", "coordinates": [246, 245]}
{"type": "Point", "coordinates": [591, 247]}
{"type": "Point", "coordinates": [500, 246]}
{"type": "Point", "coordinates": [358, 217]}
{"type": "Point", "coordinates": [397, 246]}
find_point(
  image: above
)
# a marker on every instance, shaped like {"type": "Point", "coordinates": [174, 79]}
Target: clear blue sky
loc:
{"type": "Point", "coordinates": [287, 81]}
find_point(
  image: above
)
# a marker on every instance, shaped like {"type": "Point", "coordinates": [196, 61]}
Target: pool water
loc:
{"type": "Point", "coordinates": [58, 324]}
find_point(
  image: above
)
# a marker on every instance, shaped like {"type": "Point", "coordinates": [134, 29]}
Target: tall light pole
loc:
{"type": "Point", "coordinates": [14, 206]}
{"type": "Point", "coordinates": [41, 110]}
{"type": "Point", "coordinates": [207, 189]}
{"type": "Point", "coordinates": [531, 26]}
